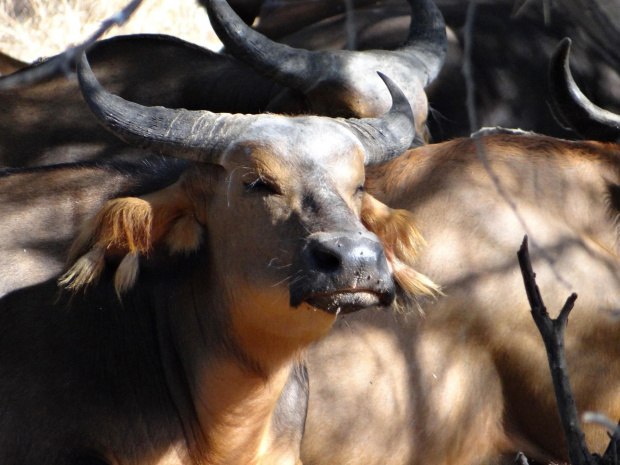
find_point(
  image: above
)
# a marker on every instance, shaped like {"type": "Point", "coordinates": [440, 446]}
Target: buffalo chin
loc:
{"type": "Point", "coordinates": [348, 301]}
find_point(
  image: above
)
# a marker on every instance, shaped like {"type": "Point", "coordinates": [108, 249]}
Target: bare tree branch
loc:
{"type": "Point", "coordinates": [65, 62]}
{"type": "Point", "coordinates": [611, 453]}
{"type": "Point", "coordinates": [552, 332]}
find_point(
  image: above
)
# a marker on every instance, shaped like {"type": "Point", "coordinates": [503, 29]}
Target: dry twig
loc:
{"type": "Point", "coordinates": [65, 62]}
{"type": "Point", "coordinates": [552, 332]}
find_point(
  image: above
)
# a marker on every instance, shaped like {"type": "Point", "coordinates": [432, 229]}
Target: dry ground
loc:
{"type": "Point", "coordinates": [31, 29]}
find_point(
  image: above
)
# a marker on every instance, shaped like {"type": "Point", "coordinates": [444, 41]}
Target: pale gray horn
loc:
{"type": "Point", "coordinates": [572, 107]}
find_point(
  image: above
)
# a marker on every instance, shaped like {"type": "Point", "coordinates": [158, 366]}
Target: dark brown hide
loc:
{"type": "Point", "coordinates": [42, 210]}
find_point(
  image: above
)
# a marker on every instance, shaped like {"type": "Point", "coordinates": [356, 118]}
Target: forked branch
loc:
{"type": "Point", "coordinates": [610, 457]}
{"type": "Point", "coordinates": [552, 332]}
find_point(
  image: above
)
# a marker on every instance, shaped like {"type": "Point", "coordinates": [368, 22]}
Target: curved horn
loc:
{"type": "Point", "coordinates": [203, 136]}
{"type": "Point", "coordinates": [193, 135]}
{"type": "Point", "coordinates": [586, 119]}
{"type": "Point", "coordinates": [387, 137]}
{"type": "Point", "coordinates": [427, 37]}
{"type": "Point", "coordinates": [296, 68]}
{"type": "Point", "coordinates": [302, 69]}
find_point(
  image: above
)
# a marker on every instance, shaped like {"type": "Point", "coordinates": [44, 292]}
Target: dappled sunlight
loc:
{"type": "Point", "coordinates": [33, 29]}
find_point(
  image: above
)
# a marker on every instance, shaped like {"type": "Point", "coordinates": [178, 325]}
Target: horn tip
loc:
{"type": "Point", "coordinates": [400, 102]}
{"type": "Point", "coordinates": [398, 96]}
{"type": "Point", "coordinates": [562, 51]}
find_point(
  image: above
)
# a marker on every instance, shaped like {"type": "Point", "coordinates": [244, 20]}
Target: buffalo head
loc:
{"type": "Point", "coordinates": [276, 202]}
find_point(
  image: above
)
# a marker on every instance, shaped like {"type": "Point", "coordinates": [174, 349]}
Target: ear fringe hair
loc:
{"type": "Point", "coordinates": [402, 243]}
{"type": "Point", "coordinates": [123, 225]}
{"type": "Point", "coordinates": [416, 286]}
{"type": "Point", "coordinates": [126, 224]}
{"type": "Point", "coordinates": [126, 273]}
{"type": "Point", "coordinates": [85, 271]}
{"type": "Point", "coordinates": [129, 227]}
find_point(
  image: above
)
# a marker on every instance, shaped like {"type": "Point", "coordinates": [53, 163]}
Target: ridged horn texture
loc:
{"type": "Point", "coordinates": [573, 107]}
{"type": "Point", "coordinates": [193, 135]}
{"type": "Point", "coordinates": [387, 137]}
{"type": "Point", "coordinates": [203, 136]}
{"type": "Point", "coordinates": [301, 69]}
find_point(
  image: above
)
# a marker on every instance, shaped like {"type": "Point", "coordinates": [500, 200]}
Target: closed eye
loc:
{"type": "Point", "coordinates": [260, 186]}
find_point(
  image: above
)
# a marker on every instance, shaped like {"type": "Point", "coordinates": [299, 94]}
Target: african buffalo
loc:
{"type": "Point", "coordinates": [464, 379]}
{"type": "Point", "coordinates": [223, 278]}
{"type": "Point", "coordinates": [341, 82]}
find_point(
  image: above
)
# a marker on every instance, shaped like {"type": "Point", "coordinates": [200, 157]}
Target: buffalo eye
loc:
{"type": "Point", "coordinates": [260, 186]}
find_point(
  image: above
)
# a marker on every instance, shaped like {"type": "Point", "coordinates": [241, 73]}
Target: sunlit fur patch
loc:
{"type": "Point", "coordinates": [130, 227]}
{"type": "Point", "coordinates": [124, 224]}
{"type": "Point", "coordinates": [401, 242]}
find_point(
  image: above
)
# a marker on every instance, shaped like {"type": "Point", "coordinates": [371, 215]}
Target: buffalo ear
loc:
{"type": "Point", "coordinates": [401, 240]}
{"type": "Point", "coordinates": [132, 227]}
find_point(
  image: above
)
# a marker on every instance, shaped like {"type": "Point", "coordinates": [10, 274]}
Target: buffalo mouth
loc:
{"type": "Point", "coordinates": [348, 301]}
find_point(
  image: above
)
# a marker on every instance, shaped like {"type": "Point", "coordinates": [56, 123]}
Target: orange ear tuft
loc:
{"type": "Point", "coordinates": [401, 241]}
{"type": "Point", "coordinates": [125, 224]}
{"type": "Point", "coordinates": [122, 226]}
{"type": "Point", "coordinates": [131, 227]}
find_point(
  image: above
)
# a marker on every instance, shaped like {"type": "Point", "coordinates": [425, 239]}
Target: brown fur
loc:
{"type": "Point", "coordinates": [9, 65]}
{"type": "Point", "coordinates": [468, 382]}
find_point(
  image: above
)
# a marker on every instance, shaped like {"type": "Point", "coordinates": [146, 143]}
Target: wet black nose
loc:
{"type": "Point", "coordinates": [331, 254]}
{"type": "Point", "coordinates": [342, 270]}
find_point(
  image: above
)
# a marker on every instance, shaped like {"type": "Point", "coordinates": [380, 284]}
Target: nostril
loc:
{"type": "Point", "coordinates": [326, 260]}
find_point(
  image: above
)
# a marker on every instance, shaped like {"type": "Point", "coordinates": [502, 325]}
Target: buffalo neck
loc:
{"type": "Point", "coordinates": [237, 407]}
{"type": "Point", "coordinates": [226, 400]}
